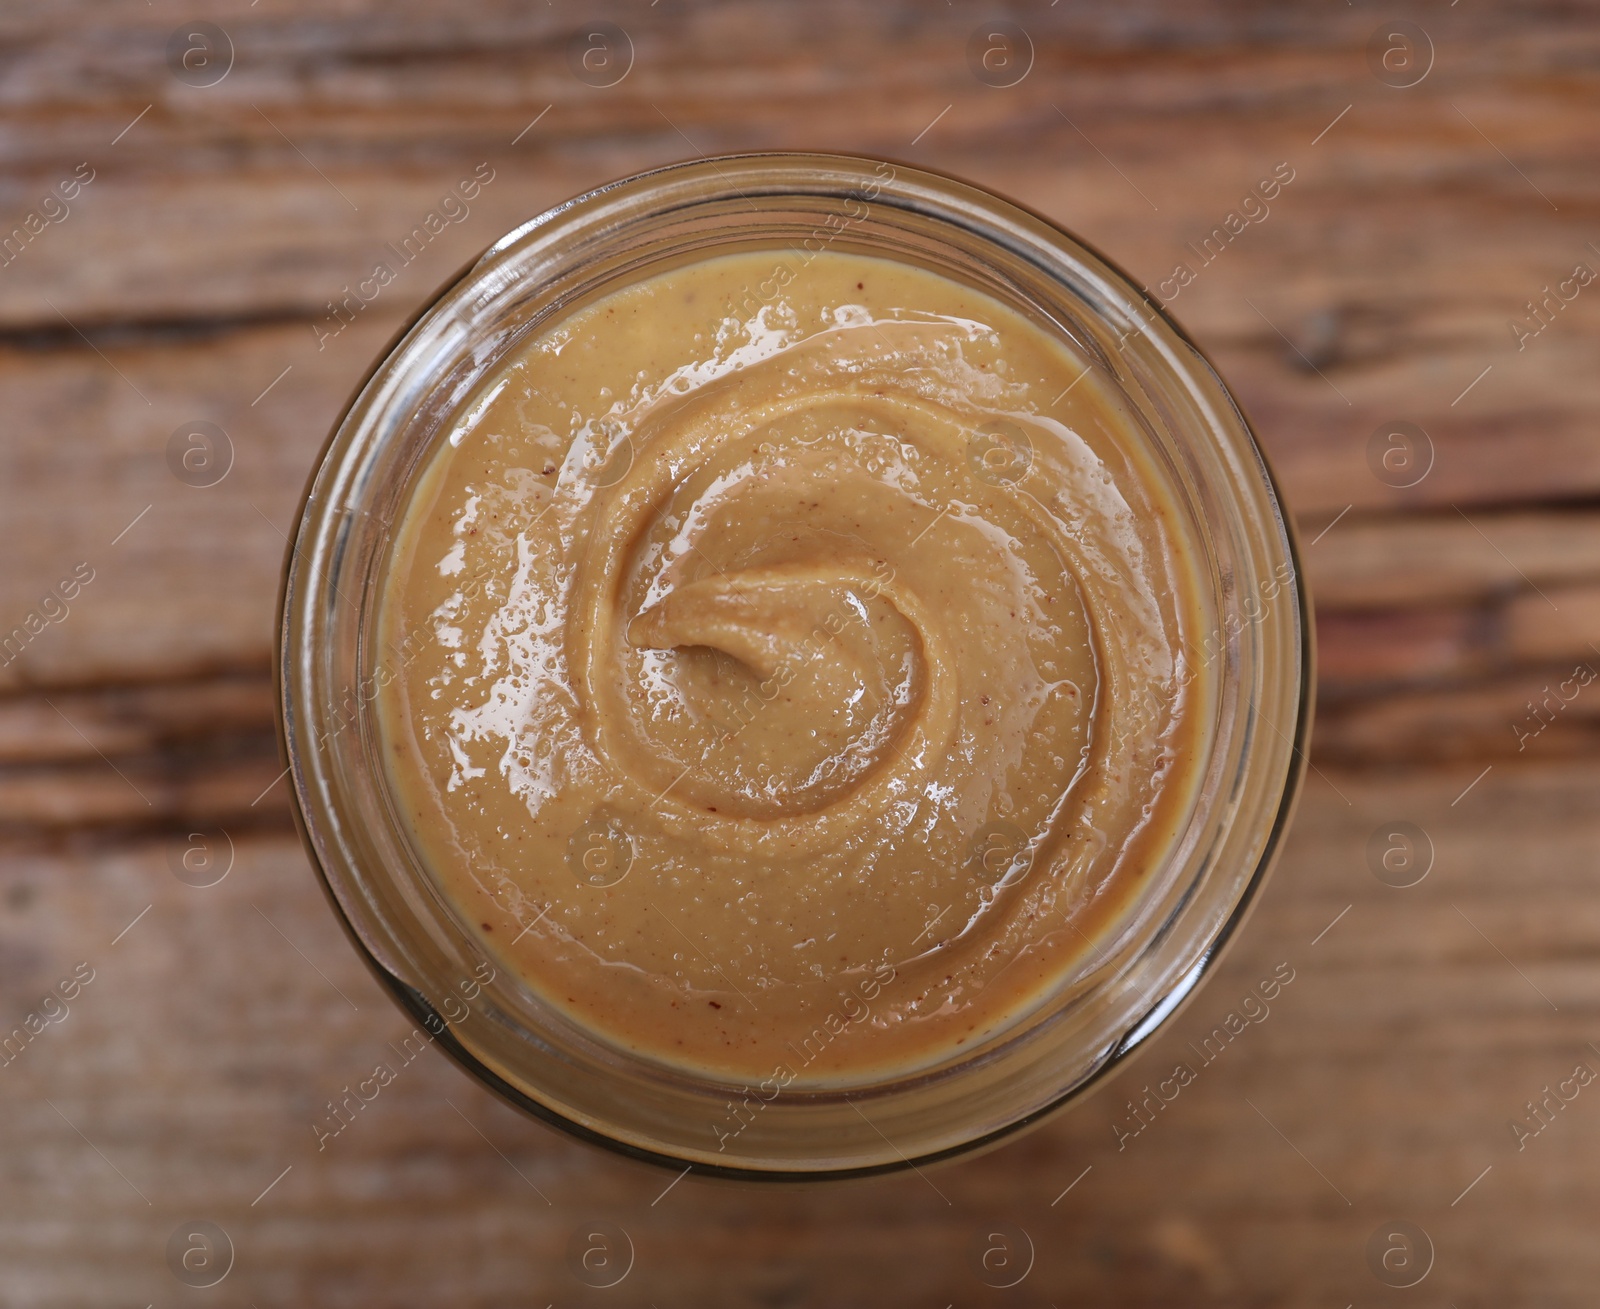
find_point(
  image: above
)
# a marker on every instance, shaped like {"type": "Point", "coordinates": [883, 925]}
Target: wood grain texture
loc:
{"type": "Point", "coordinates": [1413, 1031]}
{"type": "Point", "coordinates": [187, 283]}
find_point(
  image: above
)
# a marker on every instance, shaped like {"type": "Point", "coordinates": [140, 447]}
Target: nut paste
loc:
{"type": "Point", "coordinates": [795, 671]}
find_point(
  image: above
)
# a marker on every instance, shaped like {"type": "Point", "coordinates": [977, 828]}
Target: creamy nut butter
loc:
{"type": "Point", "coordinates": [798, 671]}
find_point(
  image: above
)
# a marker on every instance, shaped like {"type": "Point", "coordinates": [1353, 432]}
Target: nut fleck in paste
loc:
{"type": "Point", "coordinates": [787, 670]}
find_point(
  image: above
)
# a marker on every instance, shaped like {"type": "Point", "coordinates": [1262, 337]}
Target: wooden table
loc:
{"type": "Point", "coordinates": [184, 283]}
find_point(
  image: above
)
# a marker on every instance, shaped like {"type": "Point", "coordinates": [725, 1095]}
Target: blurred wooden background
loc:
{"type": "Point", "coordinates": [184, 285]}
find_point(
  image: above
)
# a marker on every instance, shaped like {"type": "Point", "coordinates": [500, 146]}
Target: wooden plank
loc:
{"type": "Point", "coordinates": [212, 213]}
{"type": "Point", "coordinates": [185, 579]}
{"type": "Point", "coordinates": [182, 578]}
{"type": "Point", "coordinates": [1445, 558]}
{"type": "Point", "coordinates": [1543, 631]}
{"type": "Point", "coordinates": [165, 756]}
{"type": "Point", "coordinates": [1557, 624]}
{"type": "Point", "coordinates": [1540, 713]}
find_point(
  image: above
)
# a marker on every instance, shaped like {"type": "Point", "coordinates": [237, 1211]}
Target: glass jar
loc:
{"type": "Point", "coordinates": [437, 965]}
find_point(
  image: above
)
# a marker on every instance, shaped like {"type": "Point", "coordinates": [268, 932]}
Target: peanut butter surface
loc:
{"type": "Point", "coordinates": [793, 666]}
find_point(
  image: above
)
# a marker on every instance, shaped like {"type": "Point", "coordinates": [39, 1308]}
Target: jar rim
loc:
{"type": "Point", "coordinates": [315, 627]}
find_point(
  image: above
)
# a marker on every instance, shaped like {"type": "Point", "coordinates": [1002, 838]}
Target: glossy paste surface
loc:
{"type": "Point", "coordinates": [785, 666]}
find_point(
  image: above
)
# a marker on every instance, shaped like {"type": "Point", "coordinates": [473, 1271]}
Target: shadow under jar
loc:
{"type": "Point", "coordinates": [747, 711]}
